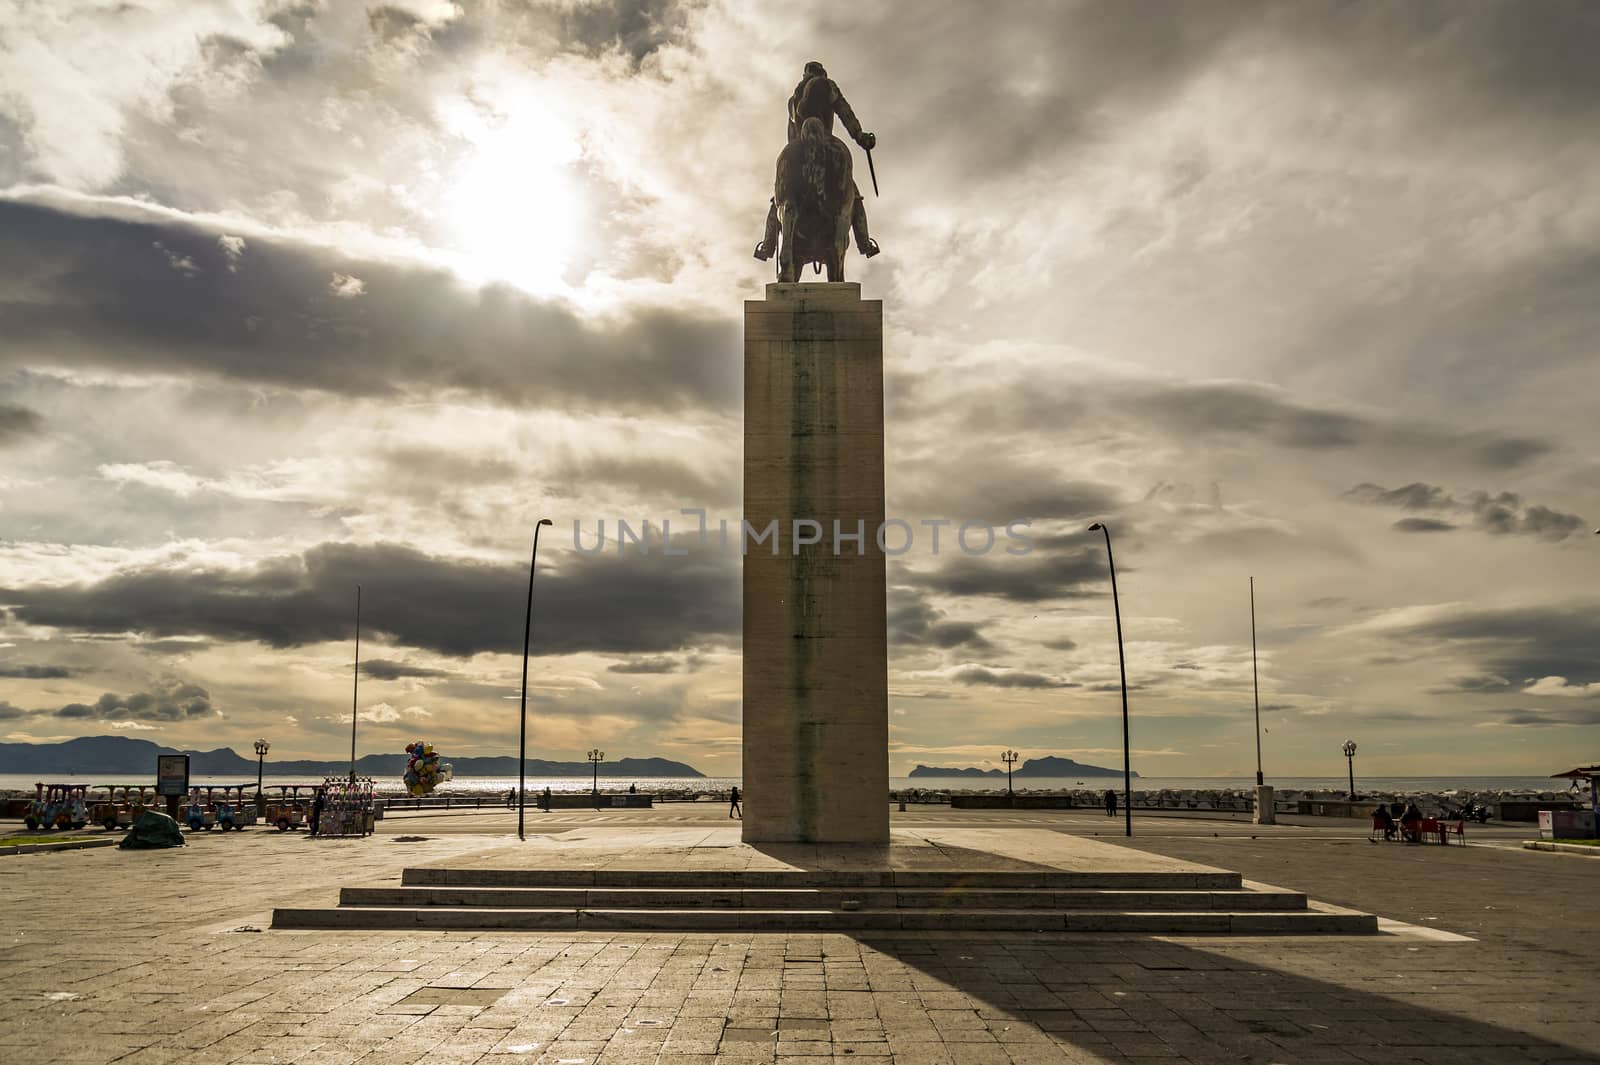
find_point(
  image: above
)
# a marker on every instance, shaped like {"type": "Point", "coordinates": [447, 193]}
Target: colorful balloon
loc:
{"type": "Point", "coordinates": [422, 773]}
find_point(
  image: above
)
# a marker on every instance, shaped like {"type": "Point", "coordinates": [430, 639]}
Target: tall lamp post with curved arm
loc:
{"type": "Point", "coordinates": [1122, 666]}
{"type": "Point", "coordinates": [527, 631]}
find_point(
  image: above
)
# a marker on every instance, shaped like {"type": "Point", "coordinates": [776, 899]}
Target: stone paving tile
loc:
{"type": "Point", "coordinates": [157, 985]}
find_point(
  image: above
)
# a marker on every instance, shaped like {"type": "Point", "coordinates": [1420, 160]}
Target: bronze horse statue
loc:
{"type": "Point", "coordinates": [814, 193]}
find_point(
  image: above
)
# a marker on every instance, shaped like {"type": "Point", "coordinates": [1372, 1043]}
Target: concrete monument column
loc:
{"type": "Point", "coordinates": [816, 725]}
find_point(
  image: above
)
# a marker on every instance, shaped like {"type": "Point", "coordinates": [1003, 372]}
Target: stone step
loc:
{"type": "Point", "coordinates": [821, 899]}
{"type": "Point", "coordinates": [995, 880]}
{"type": "Point", "coordinates": [1321, 921]}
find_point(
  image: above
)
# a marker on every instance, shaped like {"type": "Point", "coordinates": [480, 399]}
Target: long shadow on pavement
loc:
{"type": "Point", "coordinates": [1144, 998]}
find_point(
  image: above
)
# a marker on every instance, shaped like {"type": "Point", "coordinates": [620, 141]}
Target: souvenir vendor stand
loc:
{"type": "Point", "coordinates": [347, 807]}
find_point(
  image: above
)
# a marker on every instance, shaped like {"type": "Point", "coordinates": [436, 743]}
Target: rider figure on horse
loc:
{"type": "Point", "coordinates": [822, 103]}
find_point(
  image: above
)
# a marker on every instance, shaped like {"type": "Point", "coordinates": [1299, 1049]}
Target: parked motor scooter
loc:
{"type": "Point", "coordinates": [1469, 811]}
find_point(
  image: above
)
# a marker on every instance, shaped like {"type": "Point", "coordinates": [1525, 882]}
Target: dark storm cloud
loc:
{"type": "Point", "coordinates": [29, 672]}
{"type": "Point", "coordinates": [977, 675]}
{"type": "Point", "coordinates": [1213, 412]}
{"type": "Point", "coordinates": [17, 422]}
{"type": "Point", "coordinates": [1416, 496]}
{"type": "Point", "coordinates": [981, 489]}
{"type": "Point", "coordinates": [1231, 409]}
{"type": "Point", "coordinates": [1085, 66]}
{"type": "Point", "coordinates": [1550, 524]}
{"type": "Point", "coordinates": [387, 669]}
{"type": "Point", "coordinates": [1480, 682]}
{"type": "Point", "coordinates": [1048, 573]}
{"type": "Point", "coordinates": [450, 606]}
{"type": "Point", "coordinates": [1521, 644]}
{"type": "Point", "coordinates": [1550, 718]}
{"type": "Point", "coordinates": [913, 623]}
{"type": "Point", "coordinates": [657, 475]}
{"type": "Point", "coordinates": [273, 317]}
{"type": "Point", "coordinates": [1497, 513]}
{"type": "Point", "coordinates": [1394, 715]}
{"type": "Point", "coordinates": [636, 28]}
{"type": "Point", "coordinates": [171, 647]}
{"type": "Point", "coordinates": [10, 712]}
{"type": "Point", "coordinates": [1048, 76]}
{"type": "Point", "coordinates": [1423, 525]}
{"type": "Point", "coordinates": [173, 701]}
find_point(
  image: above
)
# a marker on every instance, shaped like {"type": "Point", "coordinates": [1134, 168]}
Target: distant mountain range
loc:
{"type": "Point", "coordinates": [125, 756]}
{"type": "Point", "coordinates": [1048, 766]}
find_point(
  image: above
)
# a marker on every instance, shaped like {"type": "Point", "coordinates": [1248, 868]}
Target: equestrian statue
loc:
{"type": "Point", "coordinates": [815, 203]}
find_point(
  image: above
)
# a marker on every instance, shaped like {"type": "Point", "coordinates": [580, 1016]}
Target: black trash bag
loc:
{"type": "Point", "coordinates": [152, 829]}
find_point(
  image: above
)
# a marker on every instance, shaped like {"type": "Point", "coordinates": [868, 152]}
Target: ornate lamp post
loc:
{"type": "Point", "coordinates": [262, 747]}
{"type": "Point", "coordinates": [1122, 666]}
{"type": "Point", "coordinates": [596, 756]}
{"type": "Point", "coordinates": [1350, 754]}
{"type": "Point", "coordinates": [527, 630]}
{"type": "Point", "coordinates": [1010, 759]}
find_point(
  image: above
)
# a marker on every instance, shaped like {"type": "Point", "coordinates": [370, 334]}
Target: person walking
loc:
{"type": "Point", "coordinates": [733, 804]}
{"type": "Point", "coordinates": [1111, 803]}
{"type": "Point", "coordinates": [545, 798]}
{"type": "Point", "coordinates": [511, 798]}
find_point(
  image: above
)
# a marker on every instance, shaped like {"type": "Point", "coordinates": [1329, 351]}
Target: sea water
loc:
{"type": "Point", "coordinates": [688, 786]}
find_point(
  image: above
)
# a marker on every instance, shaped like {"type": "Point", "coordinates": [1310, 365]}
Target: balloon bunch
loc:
{"type": "Point", "coordinates": [423, 771]}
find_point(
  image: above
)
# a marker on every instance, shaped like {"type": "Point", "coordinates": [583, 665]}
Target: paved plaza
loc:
{"type": "Point", "coordinates": [166, 956]}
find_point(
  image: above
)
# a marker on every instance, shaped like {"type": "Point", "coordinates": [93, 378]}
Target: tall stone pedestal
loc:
{"type": "Point", "coordinates": [816, 725]}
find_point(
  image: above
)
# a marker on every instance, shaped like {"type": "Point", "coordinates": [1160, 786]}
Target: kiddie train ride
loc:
{"type": "Point", "coordinates": [223, 806]}
{"type": "Point", "coordinates": [57, 806]}
{"type": "Point", "coordinates": [118, 806]}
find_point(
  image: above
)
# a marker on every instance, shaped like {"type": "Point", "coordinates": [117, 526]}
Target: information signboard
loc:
{"type": "Point", "coordinates": [172, 775]}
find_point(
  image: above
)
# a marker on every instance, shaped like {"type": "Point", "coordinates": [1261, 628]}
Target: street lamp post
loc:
{"type": "Point", "coordinates": [1350, 755]}
{"type": "Point", "coordinates": [527, 630]}
{"type": "Point", "coordinates": [262, 747]}
{"type": "Point", "coordinates": [1122, 666]}
{"type": "Point", "coordinates": [1010, 759]}
{"type": "Point", "coordinates": [1266, 803]}
{"type": "Point", "coordinates": [355, 687]}
{"type": "Point", "coordinates": [1255, 681]}
{"type": "Point", "coordinates": [596, 756]}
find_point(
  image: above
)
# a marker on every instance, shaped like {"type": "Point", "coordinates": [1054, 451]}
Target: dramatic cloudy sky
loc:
{"type": "Point", "coordinates": [295, 296]}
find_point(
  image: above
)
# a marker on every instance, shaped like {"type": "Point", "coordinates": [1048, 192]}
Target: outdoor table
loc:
{"type": "Point", "coordinates": [1433, 826]}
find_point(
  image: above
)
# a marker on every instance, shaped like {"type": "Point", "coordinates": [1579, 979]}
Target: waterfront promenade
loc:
{"type": "Point", "coordinates": [166, 956]}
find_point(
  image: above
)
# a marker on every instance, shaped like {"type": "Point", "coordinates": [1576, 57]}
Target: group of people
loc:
{"type": "Point", "coordinates": [1409, 826]}
{"type": "Point", "coordinates": [544, 799]}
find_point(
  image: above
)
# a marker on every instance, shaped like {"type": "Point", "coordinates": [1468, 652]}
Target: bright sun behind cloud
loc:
{"type": "Point", "coordinates": [513, 208]}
